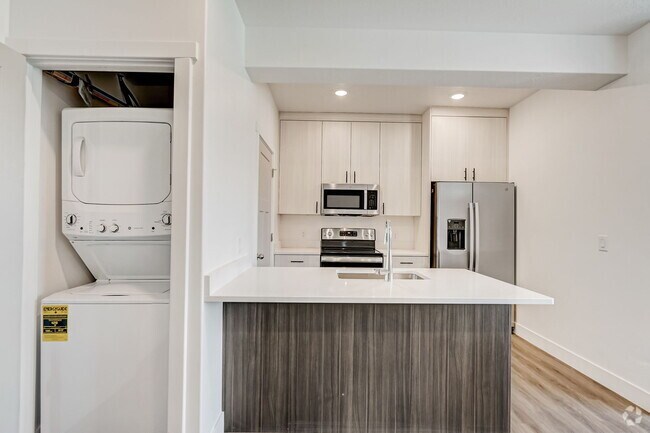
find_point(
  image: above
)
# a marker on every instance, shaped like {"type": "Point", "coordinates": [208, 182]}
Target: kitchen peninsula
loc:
{"type": "Point", "coordinates": [320, 349]}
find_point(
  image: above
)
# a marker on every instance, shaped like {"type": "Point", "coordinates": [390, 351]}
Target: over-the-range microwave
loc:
{"type": "Point", "coordinates": [350, 199]}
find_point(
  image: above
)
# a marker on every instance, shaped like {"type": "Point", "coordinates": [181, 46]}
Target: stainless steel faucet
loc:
{"type": "Point", "coordinates": [388, 241]}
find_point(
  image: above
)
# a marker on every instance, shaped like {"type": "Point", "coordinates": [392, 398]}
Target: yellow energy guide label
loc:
{"type": "Point", "coordinates": [55, 323]}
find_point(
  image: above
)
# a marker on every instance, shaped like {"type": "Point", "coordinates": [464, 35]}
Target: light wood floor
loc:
{"type": "Point", "coordinates": [548, 396]}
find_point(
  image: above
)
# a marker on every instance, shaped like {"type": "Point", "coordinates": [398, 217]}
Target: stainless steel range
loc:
{"type": "Point", "coordinates": [349, 248]}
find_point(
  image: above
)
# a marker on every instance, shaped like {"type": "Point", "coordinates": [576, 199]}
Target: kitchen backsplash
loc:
{"type": "Point", "coordinates": [303, 231]}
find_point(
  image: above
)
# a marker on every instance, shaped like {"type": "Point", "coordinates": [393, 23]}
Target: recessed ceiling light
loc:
{"type": "Point", "coordinates": [457, 96]}
{"type": "Point", "coordinates": [341, 92]}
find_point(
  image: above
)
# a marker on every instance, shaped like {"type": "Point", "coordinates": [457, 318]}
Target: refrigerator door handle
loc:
{"type": "Point", "coordinates": [471, 237]}
{"type": "Point", "coordinates": [477, 237]}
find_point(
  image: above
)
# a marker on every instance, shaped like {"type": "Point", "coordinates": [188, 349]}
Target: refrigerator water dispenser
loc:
{"type": "Point", "coordinates": [455, 234]}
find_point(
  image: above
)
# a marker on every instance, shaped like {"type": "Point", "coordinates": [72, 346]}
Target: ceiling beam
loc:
{"type": "Point", "coordinates": [405, 57]}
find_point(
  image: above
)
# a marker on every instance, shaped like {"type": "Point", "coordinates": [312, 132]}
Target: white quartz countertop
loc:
{"type": "Point", "coordinates": [322, 285]}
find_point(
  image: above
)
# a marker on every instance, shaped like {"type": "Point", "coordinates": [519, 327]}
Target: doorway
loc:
{"type": "Point", "coordinates": [265, 179]}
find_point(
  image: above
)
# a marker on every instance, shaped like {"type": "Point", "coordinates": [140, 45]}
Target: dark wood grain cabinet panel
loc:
{"type": "Point", "coordinates": [366, 368]}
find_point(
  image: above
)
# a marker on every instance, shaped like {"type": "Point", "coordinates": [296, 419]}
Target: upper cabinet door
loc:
{"type": "Point", "coordinates": [364, 159]}
{"type": "Point", "coordinates": [336, 152]}
{"type": "Point", "coordinates": [488, 149]}
{"type": "Point", "coordinates": [469, 148]}
{"type": "Point", "coordinates": [401, 168]}
{"type": "Point", "coordinates": [300, 167]}
{"type": "Point", "coordinates": [449, 150]}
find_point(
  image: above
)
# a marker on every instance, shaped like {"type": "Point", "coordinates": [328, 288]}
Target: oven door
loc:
{"type": "Point", "coordinates": [343, 199]}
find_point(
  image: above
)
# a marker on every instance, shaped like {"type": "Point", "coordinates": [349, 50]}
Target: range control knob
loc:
{"type": "Point", "coordinates": [115, 228]}
{"type": "Point", "coordinates": [71, 219]}
{"type": "Point", "coordinates": [101, 228]}
{"type": "Point", "coordinates": [167, 219]}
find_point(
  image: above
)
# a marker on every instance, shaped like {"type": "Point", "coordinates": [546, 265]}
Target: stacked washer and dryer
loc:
{"type": "Point", "coordinates": [104, 358]}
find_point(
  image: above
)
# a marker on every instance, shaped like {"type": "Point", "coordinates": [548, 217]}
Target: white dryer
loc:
{"type": "Point", "coordinates": [104, 345]}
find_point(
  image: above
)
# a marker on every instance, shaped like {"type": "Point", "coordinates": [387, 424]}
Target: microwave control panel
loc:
{"type": "Point", "coordinates": [372, 200]}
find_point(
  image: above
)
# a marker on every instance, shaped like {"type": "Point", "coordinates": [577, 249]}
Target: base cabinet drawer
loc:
{"type": "Point", "coordinates": [410, 262]}
{"type": "Point", "coordinates": [297, 260]}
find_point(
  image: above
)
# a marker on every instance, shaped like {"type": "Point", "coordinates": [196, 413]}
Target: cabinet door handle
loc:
{"type": "Point", "coordinates": [355, 176]}
{"type": "Point", "coordinates": [297, 261]}
{"type": "Point", "coordinates": [405, 263]}
{"type": "Point", "coordinates": [465, 173]}
{"type": "Point", "coordinates": [346, 176]}
{"type": "Point", "coordinates": [383, 208]}
{"type": "Point", "coordinates": [317, 206]}
{"type": "Point", "coordinates": [473, 174]}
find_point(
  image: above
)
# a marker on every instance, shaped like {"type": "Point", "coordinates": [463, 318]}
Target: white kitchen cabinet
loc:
{"type": "Point", "coordinates": [400, 168]}
{"type": "Point", "coordinates": [297, 260]}
{"type": "Point", "coordinates": [488, 149]}
{"type": "Point", "coordinates": [469, 148]}
{"type": "Point", "coordinates": [350, 152]}
{"type": "Point", "coordinates": [364, 156]}
{"type": "Point", "coordinates": [336, 152]}
{"type": "Point", "coordinates": [300, 167]}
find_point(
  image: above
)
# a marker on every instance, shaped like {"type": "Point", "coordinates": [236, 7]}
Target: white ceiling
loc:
{"type": "Point", "coordinates": [603, 17]}
{"type": "Point", "coordinates": [388, 99]}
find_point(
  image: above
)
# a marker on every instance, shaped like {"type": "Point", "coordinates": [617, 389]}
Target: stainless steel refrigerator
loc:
{"type": "Point", "coordinates": [473, 227]}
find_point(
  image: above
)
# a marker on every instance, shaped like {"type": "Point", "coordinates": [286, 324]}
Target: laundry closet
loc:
{"type": "Point", "coordinates": [106, 196]}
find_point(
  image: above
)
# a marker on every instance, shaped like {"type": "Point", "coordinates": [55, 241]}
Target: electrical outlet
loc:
{"type": "Point", "coordinates": [602, 243]}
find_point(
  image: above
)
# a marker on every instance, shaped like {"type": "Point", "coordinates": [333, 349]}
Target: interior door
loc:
{"type": "Point", "coordinates": [364, 152]}
{"type": "Point", "coordinates": [13, 70]}
{"type": "Point", "coordinates": [336, 153]}
{"type": "Point", "coordinates": [495, 219]}
{"type": "Point", "coordinates": [264, 211]}
{"type": "Point", "coordinates": [121, 162]}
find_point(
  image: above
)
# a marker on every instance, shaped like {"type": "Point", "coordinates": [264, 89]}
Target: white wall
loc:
{"type": "Point", "coordinates": [236, 112]}
{"type": "Point", "coordinates": [60, 267]}
{"type": "Point", "coordinates": [142, 20]}
{"type": "Point", "coordinates": [581, 162]}
{"type": "Point", "coordinates": [638, 59]}
{"type": "Point", "coordinates": [234, 109]}
{"type": "Point", "coordinates": [4, 19]}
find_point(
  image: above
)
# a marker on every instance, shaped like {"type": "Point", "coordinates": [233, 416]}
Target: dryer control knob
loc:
{"type": "Point", "coordinates": [167, 219]}
{"type": "Point", "coordinates": [71, 219]}
{"type": "Point", "coordinates": [115, 228]}
{"type": "Point", "coordinates": [101, 228]}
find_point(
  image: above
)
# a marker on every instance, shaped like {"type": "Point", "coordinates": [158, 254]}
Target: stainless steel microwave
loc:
{"type": "Point", "coordinates": [350, 199]}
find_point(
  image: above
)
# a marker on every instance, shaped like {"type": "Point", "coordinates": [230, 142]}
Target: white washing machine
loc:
{"type": "Point", "coordinates": [104, 345]}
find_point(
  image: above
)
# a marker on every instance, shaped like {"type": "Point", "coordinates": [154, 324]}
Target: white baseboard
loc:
{"type": "Point", "coordinates": [609, 380]}
{"type": "Point", "coordinates": [218, 425]}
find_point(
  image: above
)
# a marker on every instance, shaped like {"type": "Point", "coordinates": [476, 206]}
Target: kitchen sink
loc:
{"type": "Point", "coordinates": [376, 276]}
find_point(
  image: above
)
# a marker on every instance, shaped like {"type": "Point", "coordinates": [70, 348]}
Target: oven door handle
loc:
{"type": "Point", "coordinates": [350, 259]}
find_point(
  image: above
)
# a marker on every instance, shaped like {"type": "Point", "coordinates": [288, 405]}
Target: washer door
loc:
{"type": "Point", "coordinates": [121, 162]}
